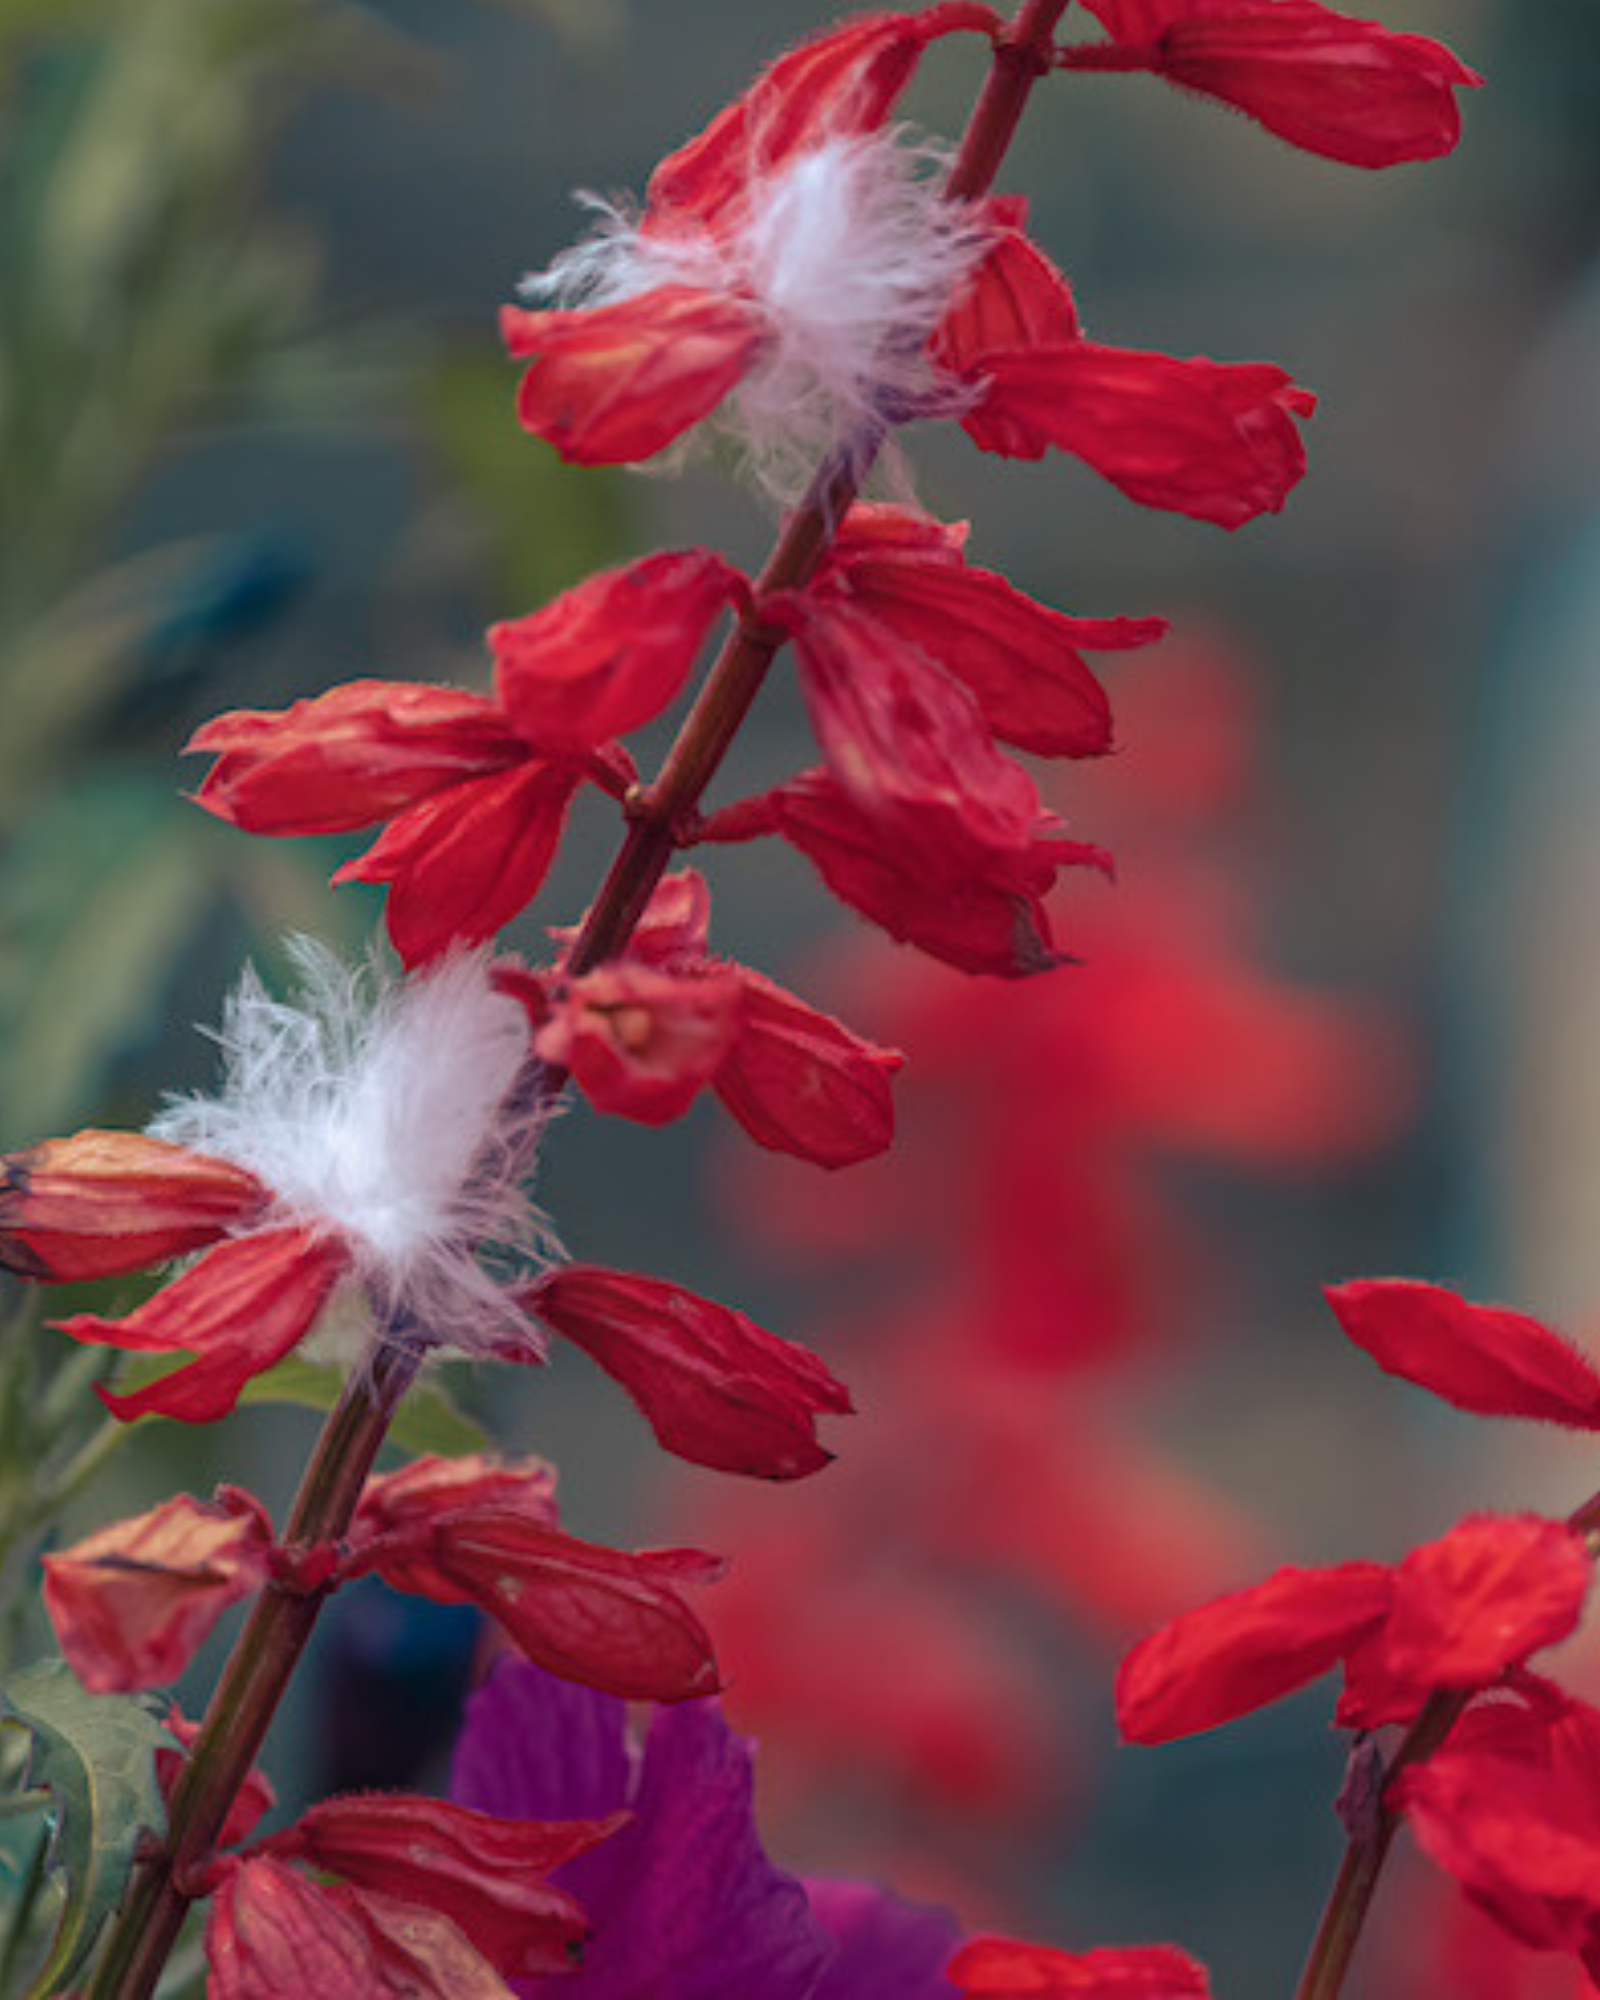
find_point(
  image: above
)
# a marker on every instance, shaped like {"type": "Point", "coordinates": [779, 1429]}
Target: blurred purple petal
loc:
{"type": "Point", "coordinates": [684, 1903]}
{"type": "Point", "coordinates": [886, 1949]}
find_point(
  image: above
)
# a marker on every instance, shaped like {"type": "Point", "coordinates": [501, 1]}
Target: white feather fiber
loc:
{"type": "Point", "coordinates": [853, 257]}
{"type": "Point", "coordinates": [396, 1115]}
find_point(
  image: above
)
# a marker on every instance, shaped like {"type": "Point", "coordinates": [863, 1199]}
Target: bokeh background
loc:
{"type": "Point", "coordinates": [1337, 1019]}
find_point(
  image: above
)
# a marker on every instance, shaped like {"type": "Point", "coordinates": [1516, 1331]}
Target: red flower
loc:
{"type": "Point", "coordinates": [644, 1034]}
{"type": "Point", "coordinates": [1214, 440]}
{"type": "Point", "coordinates": [977, 903]}
{"type": "Point", "coordinates": [240, 1310]}
{"type": "Point", "coordinates": [100, 1204]}
{"type": "Point", "coordinates": [612, 1620]}
{"type": "Point", "coordinates": [1020, 661]}
{"type": "Point", "coordinates": [789, 263]}
{"type": "Point", "coordinates": [1486, 1359]}
{"type": "Point", "coordinates": [433, 1900]}
{"type": "Point", "coordinates": [476, 791]}
{"type": "Point", "coordinates": [132, 1603]}
{"type": "Point", "coordinates": [1456, 1613]}
{"type": "Point", "coordinates": [375, 1138]}
{"type": "Point", "coordinates": [999, 1969]}
{"type": "Point", "coordinates": [1510, 1807]}
{"type": "Point", "coordinates": [1348, 89]}
{"type": "Point", "coordinates": [718, 1389]}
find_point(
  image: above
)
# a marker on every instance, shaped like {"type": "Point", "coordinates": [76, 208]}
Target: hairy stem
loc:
{"type": "Point", "coordinates": [268, 1650]}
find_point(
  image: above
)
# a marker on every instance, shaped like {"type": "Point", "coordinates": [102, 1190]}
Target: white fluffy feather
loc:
{"type": "Point", "coordinates": [398, 1116]}
{"type": "Point", "coordinates": [853, 257]}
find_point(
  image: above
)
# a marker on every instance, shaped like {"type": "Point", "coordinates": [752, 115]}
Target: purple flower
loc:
{"type": "Point", "coordinates": [684, 1903]}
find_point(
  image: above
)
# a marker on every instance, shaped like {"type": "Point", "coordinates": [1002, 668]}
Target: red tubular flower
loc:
{"type": "Point", "coordinates": [843, 84]}
{"type": "Point", "coordinates": [977, 906]}
{"type": "Point", "coordinates": [242, 1308]}
{"type": "Point", "coordinates": [1486, 1359]}
{"type": "Point", "coordinates": [609, 1619]}
{"type": "Point", "coordinates": [484, 1873]}
{"type": "Point", "coordinates": [1456, 1613]}
{"type": "Point", "coordinates": [1000, 1969]}
{"type": "Point", "coordinates": [644, 1034]}
{"type": "Point", "coordinates": [717, 1389]}
{"type": "Point", "coordinates": [1214, 440]}
{"type": "Point", "coordinates": [356, 754]}
{"type": "Point", "coordinates": [1241, 1652]}
{"type": "Point", "coordinates": [420, 1878]}
{"type": "Point", "coordinates": [132, 1603]}
{"type": "Point", "coordinates": [1348, 89]}
{"type": "Point", "coordinates": [1509, 1808]}
{"type": "Point", "coordinates": [609, 655]}
{"type": "Point", "coordinates": [1483, 1597]}
{"type": "Point", "coordinates": [101, 1204]}
{"type": "Point", "coordinates": [805, 325]}
{"type": "Point", "coordinates": [1019, 660]}
{"type": "Point", "coordinates": [618, 383]}
{"type": "Point", "coordinates": [476, 791]}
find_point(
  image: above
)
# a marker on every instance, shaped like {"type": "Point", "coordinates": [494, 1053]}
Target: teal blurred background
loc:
{"type": "Point", "coordinates": [256, 436]}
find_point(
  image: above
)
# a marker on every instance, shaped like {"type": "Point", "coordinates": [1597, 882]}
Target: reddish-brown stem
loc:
{"type": "Point", "coordinates": [1350, 1898]}
{"type": "Point", "coordinates": [268, 1650]}
{"type": "Point", "coordinates": [246, 1698]}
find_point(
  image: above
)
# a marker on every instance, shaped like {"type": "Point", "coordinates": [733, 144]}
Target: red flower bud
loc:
{"type": "Point", "coordinates": [132, 1603]}
{"type": "Point", "coordinates": [100, 1204]}
{"type": "Point", "coordinates": [717, 1389]}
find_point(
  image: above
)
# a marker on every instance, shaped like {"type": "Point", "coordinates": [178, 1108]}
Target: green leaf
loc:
{"type": "Point", "coordinates": [429, 1421]}
{"type": "Point", "coordinates": [96, 1756]}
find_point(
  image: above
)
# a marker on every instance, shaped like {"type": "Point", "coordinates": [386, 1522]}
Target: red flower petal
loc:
{"type": "Point", "coordinates": [1347, 89]}
{"type": "Point", "coordinates": [1015, 656]}
{"type": "Point", "coordinates": [422, 1954]}
{"type": "Point", "coordinates": [591, 1614]}
{"type": "Point", "coordinates": [610, 654]}
{"type": "Point", "coordinates": [1016, 298]}
{"type": "Point", "coordinates": [348, 757]}
{"type": "Point", "coordinates": [1508, 1808]}
{"type": "Point", "coordinates": [242, 1308]}
{"type": "Point", "coordinates": [1485, 1596]}
{"type": "Point", "coordinates": [903, 739]}
{"type": "Point", "coordinates": [1243, 1651]}
{"type": "Point", "coordinates": [717, 1389]}
{"type": "Point", "coordinates": [466, 861]}
{"type": "Point", "coordinates": [483, 1873]}
{"type": "Point", "coordinates": [643, 1043]}
{"type": "Point", "coordinates": [1213, 440]}
{"type": "Point", "coordinates": [998, 1969]}
{"type": "Point", "coordinates": [976, 908]}
{"type": "Point", "coordinates": [401, 1508]}
{"type": "Point", "coordinates": [132, 1603]}
{"type": "Point", "coordinates": [100, 1204]}
{"type": "Point", "coordinates": [614, 384]}
{"type": "Point", "coordinates": [800, 1082]}
{"type": "Point", "coordinates": [1486, 1359]}
{"type": "Point", "coordinates": [841, 85]}
{"type": "Point", "coordinates": [272, 1932]}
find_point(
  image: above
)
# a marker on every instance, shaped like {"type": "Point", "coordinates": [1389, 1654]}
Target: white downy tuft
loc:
{"type": "Point", "coordinates": [396, 1115]}
{"type": "Point", "coordinates": [853, 256]}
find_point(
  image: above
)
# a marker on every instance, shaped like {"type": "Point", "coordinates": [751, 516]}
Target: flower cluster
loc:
{"type": "Point", "coordinates": [1508, 1805]}
{"type": "Point", "coordinates": [812, 277]}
